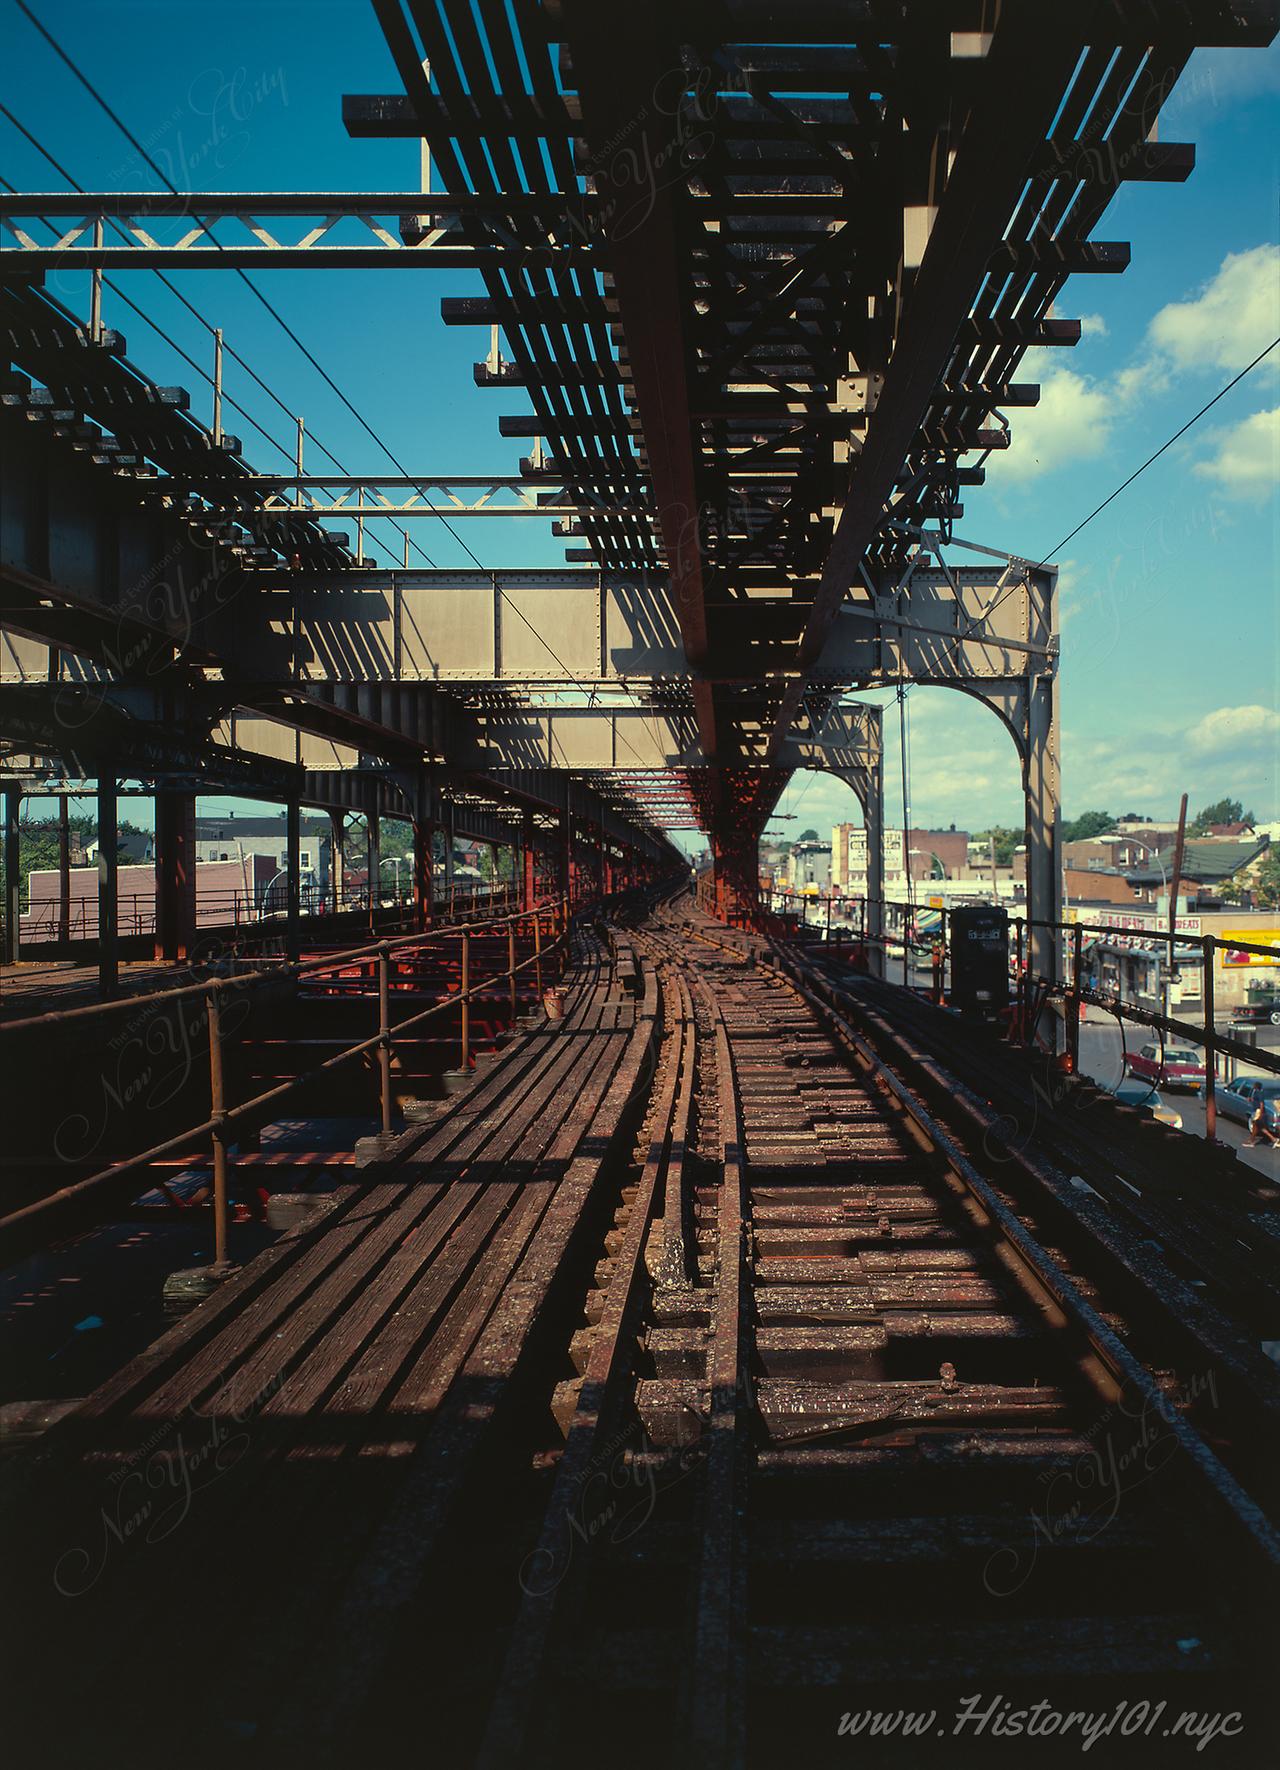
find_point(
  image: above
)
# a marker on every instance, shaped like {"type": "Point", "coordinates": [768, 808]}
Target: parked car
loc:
{"type": "Point", "coordinates": [1134, 1092]}
{"type": "Point", "coordinates": [1180, 1067]}
{"type": "Point", "coordinates": [1235, 1099]}
{"type": "Point", "coordinates": [1260, 1006]}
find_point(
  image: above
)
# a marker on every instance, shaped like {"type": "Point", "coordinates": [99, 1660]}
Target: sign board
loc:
{"type": "Point", "coordinates": [1233, 959]}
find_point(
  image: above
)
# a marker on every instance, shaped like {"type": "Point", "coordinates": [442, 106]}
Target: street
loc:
{"type": "Point", "coordinates": [1100, 1054]}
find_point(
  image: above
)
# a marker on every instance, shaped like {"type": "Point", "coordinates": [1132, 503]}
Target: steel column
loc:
{"type": "Point", "coordinates": [64, 868]}
{"type": "Point", "coordinates": [423, 835]}
{"type": "Point", "coordinates": [175, 862]}
{"type": "Point", "coordinates": [530, 859]}
{"type": "Point", "coordinates": [108, 886]}
{"type": "Point", "coordinates": [293, 880]}
{"type": "Point", "coordinates": [1044, 855]}
{"type": "Point", "coordinates": [12, 876]}
{"type": "Point", "coordinates": [337, 882]}
{"type": "Point", "coordinates": [373, 860]}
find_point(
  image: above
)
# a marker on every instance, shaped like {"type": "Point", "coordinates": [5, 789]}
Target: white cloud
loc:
{"type": "Point", "coordinates": [1223, 326]}
{"type": "Point", "coordinates": [1229, 729]}
{"type": "Point", "coordinates": [1224, 78]}
{"type": "Point", "coordinates": [1236, 314]}
{"type": "Point", "coordinates": [1246, 463]}
{"type": "Point", "coordinates": [1071, 423]}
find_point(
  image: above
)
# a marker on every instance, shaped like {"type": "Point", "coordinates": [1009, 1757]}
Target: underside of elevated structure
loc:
{"type": "Point", "coordinates": [764, 277]}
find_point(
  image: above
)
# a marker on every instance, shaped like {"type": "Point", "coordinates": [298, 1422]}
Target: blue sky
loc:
{"type": "Point", "coordinates": [1168, 599]}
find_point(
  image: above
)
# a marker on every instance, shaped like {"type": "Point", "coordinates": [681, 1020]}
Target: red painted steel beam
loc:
{"type": "Point", "coordinates": [619, 62]}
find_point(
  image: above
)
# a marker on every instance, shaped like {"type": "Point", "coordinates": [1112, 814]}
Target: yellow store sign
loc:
{"type": "Point", "coordinates": [1232, 958]}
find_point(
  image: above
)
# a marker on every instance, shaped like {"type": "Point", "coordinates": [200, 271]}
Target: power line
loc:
{"type": "Point", "coordinates": [1168, 444]}
{"type": "Point", "coordinates": [1222, 391]}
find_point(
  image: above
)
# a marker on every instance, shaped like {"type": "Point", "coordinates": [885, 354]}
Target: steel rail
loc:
{"type": "Point", "coordinates": [1241, 1524]}
{"type": "Point", "coordinates": [549, 1591]}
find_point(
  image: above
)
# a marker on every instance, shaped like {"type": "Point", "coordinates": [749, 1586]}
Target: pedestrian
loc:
{"type": "Point", "coordinates": [1258, 1126]}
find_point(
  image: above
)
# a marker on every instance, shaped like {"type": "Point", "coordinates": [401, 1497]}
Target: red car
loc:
{"type": "Point", "coordinates": [1183, 1066]}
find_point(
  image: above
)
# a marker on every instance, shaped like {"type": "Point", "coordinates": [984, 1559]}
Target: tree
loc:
{"type": "Point", "coordinates": [1266, 885]}
{"type": "Point", "coordinates": [1005, 842]}
{"type": "Point", "coordinates": [38, 843]}
{"type": "Point", "coordinates": [808, 836]}
{"type": "Point", "coordinates": [1089, 823]}
{"type": "Point", "coordinates": [1222, 811]}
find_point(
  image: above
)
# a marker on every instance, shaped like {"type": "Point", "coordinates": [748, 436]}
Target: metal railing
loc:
{"type": "Point", "coordinates": [136, 915]}
{"type": "Point", "coordinates": [1031, 991]}
{"type": "Point", "coordinates": [216, 991]}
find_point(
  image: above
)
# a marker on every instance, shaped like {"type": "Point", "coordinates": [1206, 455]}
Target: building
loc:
{"type": "Point", "coordinates": [1083, 886]}
{"type": "Point", "coordinates": [227, 892]}
{"type": "Point", "coordinates": [1115, 849]}
{"type": "Point", "coordinates": [1207, 861]}
{"type": "Point", "coordinates": [241, 838]}
{"type": "Point", "coordinates": [809, 868]}
{"type": "Point", "coordinates": [1121, 957]}
{"type": "Point", "coordinates": [131, 846]}
{"type": "Point", "coordinates": [932, 854]}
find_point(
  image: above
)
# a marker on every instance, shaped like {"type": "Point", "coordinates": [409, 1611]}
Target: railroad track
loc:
{"type": "Point", "coordinates": [275, 1469]}
{"type": "Point", "coordinates": [786, 1419]}
{"type": "Point", "coordinates": [845, 1438]}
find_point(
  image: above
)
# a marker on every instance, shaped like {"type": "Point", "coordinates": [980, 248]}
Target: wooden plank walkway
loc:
{"type": "Point", "coordinates": [278, 1469]}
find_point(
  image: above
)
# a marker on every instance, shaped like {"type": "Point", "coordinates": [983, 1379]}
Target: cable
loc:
{"type": "Point", "coordinates": [1058, 545]}
{"type": "Point", "coordinates": [1160, 451]}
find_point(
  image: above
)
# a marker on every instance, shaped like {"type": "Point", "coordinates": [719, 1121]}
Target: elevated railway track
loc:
{"type": "Point", "coordinates": [682, 1387]}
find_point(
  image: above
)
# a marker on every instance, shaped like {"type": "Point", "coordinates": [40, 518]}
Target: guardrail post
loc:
{"type": "Point", "coordinates": [1020, 994]}
{"type": "Point", "coordinates": [511, 966]}
{"type": "Point", "coordinates": [537, 951]}
{"type": "Point", "coordinates": [384, 1035]}
{"type": "Point", "coordinates": [1210, 1044]}
{"type": "Point", "coordinates": [218, 1113]}
{"type": "Point", "coordinates": [466, 1000]}
{"type": "Point", "coordinates": [1073, 1031]}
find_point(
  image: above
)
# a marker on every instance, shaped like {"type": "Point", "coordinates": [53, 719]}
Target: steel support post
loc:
{"type": "Point", "coordinates": [373, 862]}
{"type": "Point", "coordinates": [384, 1036]}
{"type": "Point", "coordinates": [1073, 1000]}
{"type": "Point", "coordinates": [175, 845]}
{"type": "Point", "coordinates": [529, 856]}
{"type": "Point", "coordinates": [736, 873]}
{"type": "Point", "coordinates": [108, 887]}
{"type": "Point", "coordinates": [1208, 946]}
{"type": "Point", "coordinates": [1044, 856]}
{"type": "Point", "coordinates": [566, 867]}
{"type": "Point", "coordinates": [12, 876]}
{"type": "Point", "coordinates": [218, 1113]}
{"type": "Point", "coordinates": [337, 881]}
{"type": "Point", "coordinates": [423, 835]}
{"type": "Point", "coordinates": [64, 868]}
{"type": "Point", "coordinates": [293, 876]}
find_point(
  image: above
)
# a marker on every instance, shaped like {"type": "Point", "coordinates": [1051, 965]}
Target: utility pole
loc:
{"type": "Point", "coordinates": [1173, 905]}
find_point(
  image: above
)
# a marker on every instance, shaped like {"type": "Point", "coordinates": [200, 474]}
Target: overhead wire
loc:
{"type": "Point", "coordinates": [1004, 596]}
{"type": "Point", "coordinates": [1110, 498]}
